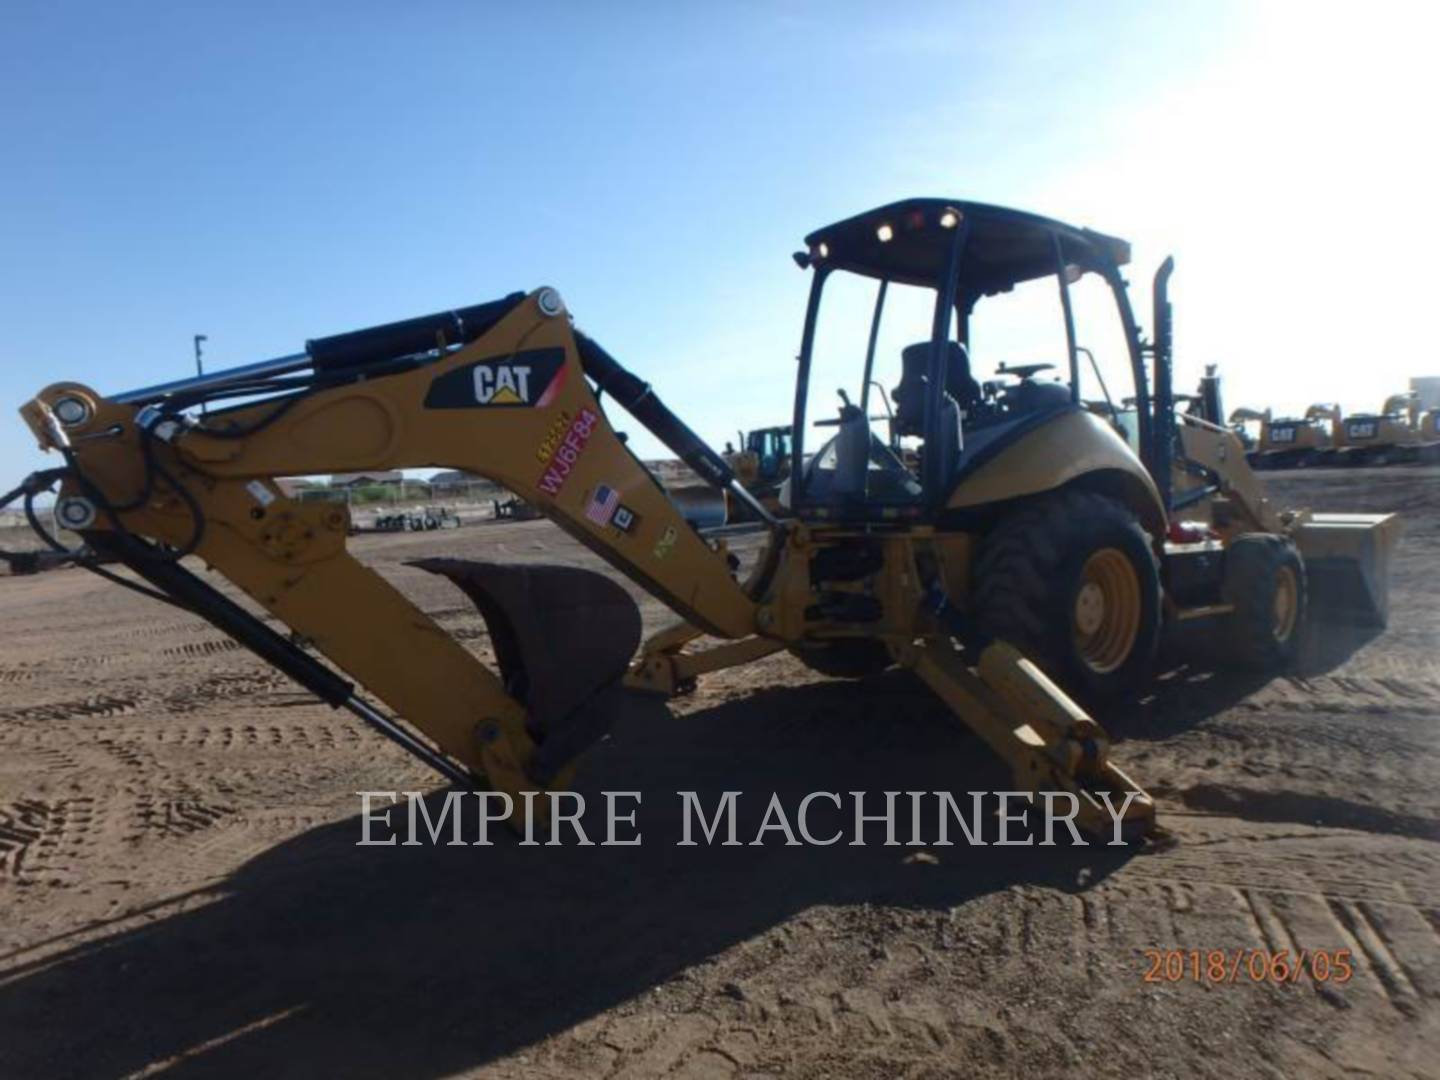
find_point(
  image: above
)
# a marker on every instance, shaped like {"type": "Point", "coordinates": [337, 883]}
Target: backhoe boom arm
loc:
{"type": "Point", "coordinates": [511, 403]}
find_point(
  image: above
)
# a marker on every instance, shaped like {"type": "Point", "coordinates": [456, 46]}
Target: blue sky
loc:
{"type": "Point", "coordinates": [268, 172]}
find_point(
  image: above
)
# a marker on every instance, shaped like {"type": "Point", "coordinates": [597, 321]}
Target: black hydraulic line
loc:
{"type": "Point", "coordinates": [189, 591]}
{"type": "Point", "coordinates": [11, 496]}
{"type": "Point", "coordinates": [218, 609]}
{"type": "Point", "coordinates": [31, 486]}
{"type": "Point", "coordinates": [960, 627]}
{"type": "Point", "coordinates": [1190, 498]}
{"type": "Point", "coordinates": [642, 403]}
{"type": "Point", "coordinates": [378, 721]}
{"type": "Point", "coordinates": [408, 336]}
{"type": "Point", "coordinates": [87, 561]}
{"type": "Point", "coordinates": [176, 586]}
{"type": "Point", "coordinates": [638, 399]}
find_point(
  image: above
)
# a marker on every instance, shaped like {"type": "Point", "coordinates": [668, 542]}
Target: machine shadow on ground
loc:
{"type": "Point", "coordinates": [323, 957]}
{"type": "Point", "coordinates": [1194, 680]}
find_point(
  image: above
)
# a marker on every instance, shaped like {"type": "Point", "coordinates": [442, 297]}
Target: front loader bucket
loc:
{"type": "Point", "coordinates": [563, 638]}
{"type": "Point", "coordinates": [702, 506]}
{"type": "Point", "coordinates": [1347, 565]}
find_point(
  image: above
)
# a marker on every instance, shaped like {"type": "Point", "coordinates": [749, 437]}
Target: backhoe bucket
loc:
{"type": "Point", "coordinates": [701, 505]}
{"type": "Point", "coordinates": [1347, 564]}
{"type": "Point", "coordinates": [563, 638]}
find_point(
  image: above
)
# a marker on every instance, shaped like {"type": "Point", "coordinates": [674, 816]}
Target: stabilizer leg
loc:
{"type": "Point", "coordinates": [663, 669]}
{"type": "Point", "coordinates": [1048, 740]}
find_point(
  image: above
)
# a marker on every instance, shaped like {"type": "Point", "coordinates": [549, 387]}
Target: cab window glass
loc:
{"type": "Point", "coordinates": [1023, 326]}
{"type": "Point", "coordinates": [1107, 383]}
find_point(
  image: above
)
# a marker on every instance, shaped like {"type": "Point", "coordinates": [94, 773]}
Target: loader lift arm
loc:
{"type": "Point", "coordinates": [502, 391]}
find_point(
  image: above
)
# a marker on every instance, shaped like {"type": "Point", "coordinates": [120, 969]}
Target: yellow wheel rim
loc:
{"type": "Point", "coordinates": [1106, 619]}
{"type": "Point", "coordinates": [1287, 603]}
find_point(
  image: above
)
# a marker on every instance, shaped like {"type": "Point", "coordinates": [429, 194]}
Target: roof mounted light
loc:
{"type": "Point", "coordinates": [885, 233]}
{"type": "Point", "coordinates": [549, 302]}
{"type": "Point", "coordinates": [949, 219]}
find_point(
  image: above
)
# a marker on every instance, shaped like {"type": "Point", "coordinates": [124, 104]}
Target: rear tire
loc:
{"type": "Point", "coordinates": [1071, 580]}
{"type": "Point", "coordinates": [1265, 581]}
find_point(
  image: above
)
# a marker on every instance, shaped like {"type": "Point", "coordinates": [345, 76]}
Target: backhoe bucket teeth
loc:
{"type": "Point", "coordinates": [563, 638]}
{"type": "Point", "coordinates": [1347, 566]}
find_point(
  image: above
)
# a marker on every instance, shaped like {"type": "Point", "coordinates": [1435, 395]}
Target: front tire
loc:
{"type": "Point", "coordinates": [1265, 582]}
{"type": "Point", "coordinates": [1072, 581]}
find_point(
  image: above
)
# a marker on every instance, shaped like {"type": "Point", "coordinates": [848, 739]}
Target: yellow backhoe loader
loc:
{"type": "Point", "coordinates": [762, 465]}
{"type": "Point", "coordinates": [1391, 436]}
{"type": "Point", "coordinates": [1289, 442]}
{"type": "Point", "coordinates": [1252, 439]}
{"type": "Point", "coordinates": [1018, 553]}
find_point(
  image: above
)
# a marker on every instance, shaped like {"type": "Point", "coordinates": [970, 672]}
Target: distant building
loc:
{"type": "Point", "coordinates": [391, 477]}
{"type": "Point", "coordinates": [1427, 389]}
{"type": "Point", "coordinates": [294, 487]}
{"type": "Point", "coordinates": [455, 480]}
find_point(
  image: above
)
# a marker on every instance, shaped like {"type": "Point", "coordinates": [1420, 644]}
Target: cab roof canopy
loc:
{"type": "Point", "coordinates": [908, 242]}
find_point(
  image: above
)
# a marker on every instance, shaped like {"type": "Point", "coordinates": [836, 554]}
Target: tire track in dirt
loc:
{"type": "Point", "coordinates": [160, 815]}
{"type": "Point", "coordinates": [1249, 894]}
{"type": "Point", "coordinates": [39, 838]}
{"type": "Point", "coordinates": [1249, 804]}
{"type": "Point", "coordinates": [126, 739]}
{"type": "Point", "coordinates": [1347, 694]}
{"type": "Point", "coordinates": [45, 759]}
{"type": "Point", "coordinates": [202, 649]}
{"type": "Point", "coordinates": [84, 662]}
{"type": "Point", "coordinates": [97, 706]}
{"type": "Point", "coordinates": [225, 687]}
{"type": "Point", "coordinates": [1394, 949]}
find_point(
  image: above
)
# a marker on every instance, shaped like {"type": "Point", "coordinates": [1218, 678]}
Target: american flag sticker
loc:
{"type": "Point", "coordinates": [603, 502]}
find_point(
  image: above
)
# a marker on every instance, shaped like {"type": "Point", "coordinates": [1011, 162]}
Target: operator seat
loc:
{"type": "Point", "coordinates": [910, 394]}
{"type": "Point", "coordinates": [961, 391]}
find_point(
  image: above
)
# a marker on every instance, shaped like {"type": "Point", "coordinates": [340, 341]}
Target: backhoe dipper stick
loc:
{"type": "Point", "coordinates": [220, 611]}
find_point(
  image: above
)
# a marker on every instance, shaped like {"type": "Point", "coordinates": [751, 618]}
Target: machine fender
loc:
{"type": "Point", "coordinates": [1076, 446]}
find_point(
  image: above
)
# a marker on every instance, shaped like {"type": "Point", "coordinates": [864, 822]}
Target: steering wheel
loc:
{"type": "Point", "coordinates": [1023, 371]}
{"type": "Point", "coordinates": [836, 421]}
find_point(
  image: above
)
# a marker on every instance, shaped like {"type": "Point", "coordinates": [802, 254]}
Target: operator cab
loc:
{"type": "Point", "coordinates": [905, 379]}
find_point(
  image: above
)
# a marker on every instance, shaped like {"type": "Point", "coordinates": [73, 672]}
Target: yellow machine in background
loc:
{"type": "Point", "coordinates": [762, 465]}
{"type": "Point", "coordinates": [1388, 437]}
{"type": "Point", "coordinates": [1289, 442]}
{"type": "Point", "coordinates": [1430, 435]}
{"type": "Point", "coordinates": [1017, 551]}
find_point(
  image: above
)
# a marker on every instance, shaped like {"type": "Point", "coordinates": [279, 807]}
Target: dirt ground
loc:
{"type": "Point", "coordinates": [182, 892]}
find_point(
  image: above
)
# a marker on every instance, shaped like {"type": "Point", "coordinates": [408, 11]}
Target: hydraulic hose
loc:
{"type": "Point", "coordinates": [635, 394]}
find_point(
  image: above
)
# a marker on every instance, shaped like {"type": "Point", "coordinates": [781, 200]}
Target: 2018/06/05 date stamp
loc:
{"type": "Point", "coordinates": [1333, 966]}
